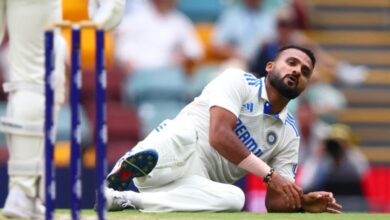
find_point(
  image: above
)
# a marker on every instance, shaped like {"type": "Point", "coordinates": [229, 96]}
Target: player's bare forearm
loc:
{"type": "Point", "coordinates": [222, 136]}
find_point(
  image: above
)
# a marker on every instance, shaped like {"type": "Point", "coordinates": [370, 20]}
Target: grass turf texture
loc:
{"type": "Point", "coordinates": [134, 215]}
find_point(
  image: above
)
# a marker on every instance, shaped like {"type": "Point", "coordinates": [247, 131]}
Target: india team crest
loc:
{"type": "Point", "coordinates": [271, 138]}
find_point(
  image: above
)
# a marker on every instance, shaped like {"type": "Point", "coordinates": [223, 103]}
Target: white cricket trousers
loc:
{"type": "Point", "coordinates": [26, 21]}
{"type": "Point", "coordinates": [180, 182]}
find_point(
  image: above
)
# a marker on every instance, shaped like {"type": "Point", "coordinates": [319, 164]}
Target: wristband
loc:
{"type": "Point", "coordinates": [267, 178]}
{"type": "Point", "coordinates": [254, 165]}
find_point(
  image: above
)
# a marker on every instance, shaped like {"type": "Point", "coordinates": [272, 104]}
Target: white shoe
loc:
{"type": "Point", "coordinates": [40, 210]}
{"type": "Point", "coordinates": [118, 201]}
{"type": "Point", "coordinates": [19, 205]}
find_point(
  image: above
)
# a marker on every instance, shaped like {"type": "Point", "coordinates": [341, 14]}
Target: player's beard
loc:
{"type": "Point", "coordinates": [278, 83]}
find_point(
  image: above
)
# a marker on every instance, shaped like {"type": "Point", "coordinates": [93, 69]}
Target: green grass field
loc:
{"type": "Point", "coordinates": [134, 215]}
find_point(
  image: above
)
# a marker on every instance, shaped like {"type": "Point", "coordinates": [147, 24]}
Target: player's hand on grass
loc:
{"type": "Point", "coordinates": [320, 202]}
{"type": "Point", "coordinates": [290, 192]}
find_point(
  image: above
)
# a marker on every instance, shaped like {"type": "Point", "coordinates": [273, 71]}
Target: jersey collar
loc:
{"type": "Point", "coordinates": [267, 104]}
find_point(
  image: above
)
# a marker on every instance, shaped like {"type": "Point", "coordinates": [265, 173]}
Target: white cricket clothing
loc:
{"type": "Point", "coordinates": [192, 193]}
{"type": "Point", "coordinates": [26, 38]}
{"type": "Point", "coordinates": [25, 163]}
{"type": "Point", "coordinates": [117, 201]}
{"type": "Point", "coordinates": [26, 21]}
{"type": "Point", "coordinates": [150, 40]}
{"type": "Point", "coordinates": [184, 149]}
{"type": "Point", "coordinates": [107, 13]}
{"type": "Point", "coordinates": [19, 205]}
{"type": "Point", "coordinates": [273, 138]}
{"type": "Point", "coordinates": [2, 20]}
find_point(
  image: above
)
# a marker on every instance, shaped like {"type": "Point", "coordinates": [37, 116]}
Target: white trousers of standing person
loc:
{"type": "Point", "coordinates": [26, 21]}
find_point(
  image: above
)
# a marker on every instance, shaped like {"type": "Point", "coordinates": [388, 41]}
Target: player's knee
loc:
{"type": "Point", "coordinates": [236, 199]}
{"type": "Point", "coordinates": [20, 104]}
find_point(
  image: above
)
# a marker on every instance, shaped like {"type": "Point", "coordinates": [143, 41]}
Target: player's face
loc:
{"type": "Point", "coordinates": [290, 72]}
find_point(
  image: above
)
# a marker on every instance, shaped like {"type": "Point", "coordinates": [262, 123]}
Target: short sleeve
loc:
{"type": "Point", "coordinates": [286, 160]}
{"type": "Point", "coordinates": [229, 91]}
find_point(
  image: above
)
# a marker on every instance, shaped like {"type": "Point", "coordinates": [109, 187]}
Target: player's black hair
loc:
{"type": "Point", "coordinates": [308, 52]}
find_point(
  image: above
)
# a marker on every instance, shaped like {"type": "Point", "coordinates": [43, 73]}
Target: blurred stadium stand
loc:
{"type": "Point", "coordinates": [358, 31]}
{"type": "Point", "coordinates": [360, 41]}
{"type": "Point", "coordinates": [202, 10]}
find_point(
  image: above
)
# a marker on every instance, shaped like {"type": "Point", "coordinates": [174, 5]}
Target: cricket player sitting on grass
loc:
{"type": "Point", "coordinates": [239, 124]}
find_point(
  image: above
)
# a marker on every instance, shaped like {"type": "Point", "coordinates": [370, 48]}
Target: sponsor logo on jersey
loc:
{"type": "Point", "coordinates": [246, 138]}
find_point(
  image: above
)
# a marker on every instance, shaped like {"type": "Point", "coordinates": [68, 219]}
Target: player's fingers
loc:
{"type": "Point", "coordinates": [335, 206]}
{"type": "Point", "coordinates": [298, 189]}
{"type": "Point", "coordinates": [285, 199]}
{"type": "Point", "coordinates": [330, 198]}
{"type": "Point", "coordinates": [281, 191]}
{"type": "Point", "coordinates": [300, 194]}
{"type": "Point", "coordinates": [332, 210]}
{"type": "Point", "coordinates": [313, 195]}
{"type": "Point", "coordinates": [334, 201]}
{"type": "Point", "coordinates": [289, 197]}
{"type": "Point", "coordinates": [296, 197]}
{"type": "Point", "coordinates": [329, 194]}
